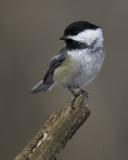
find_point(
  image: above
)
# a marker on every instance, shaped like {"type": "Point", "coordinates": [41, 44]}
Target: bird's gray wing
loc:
{"type": "Point", "coordinates": [55, 62]}
{"type": "Point", "coordinates": [48, 82]}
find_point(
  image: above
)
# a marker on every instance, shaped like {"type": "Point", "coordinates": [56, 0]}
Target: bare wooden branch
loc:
{"type": "Point", "coordinates": [55, 133]}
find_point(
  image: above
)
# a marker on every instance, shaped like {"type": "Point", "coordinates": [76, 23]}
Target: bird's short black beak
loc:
{"type": "Point", "coordinates": [63, 38]}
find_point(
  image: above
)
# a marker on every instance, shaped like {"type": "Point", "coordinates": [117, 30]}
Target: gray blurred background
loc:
{"type": "Point", "coordinates": [29, 33]}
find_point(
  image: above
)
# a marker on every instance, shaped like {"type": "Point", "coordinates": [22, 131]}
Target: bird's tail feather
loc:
{"type": "Point", "coordinates": [41, 87]}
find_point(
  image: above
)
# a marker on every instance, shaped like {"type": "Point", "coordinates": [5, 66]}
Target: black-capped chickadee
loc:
{"type": "Point", "coordinates": [78, 62]}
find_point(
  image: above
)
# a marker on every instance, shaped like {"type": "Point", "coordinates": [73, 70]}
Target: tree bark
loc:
{"type": "Point", "coordinates": [55, 133]}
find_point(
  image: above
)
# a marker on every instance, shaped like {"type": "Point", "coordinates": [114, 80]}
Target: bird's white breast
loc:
{"type": "Point", "coordinates": [86, 65]}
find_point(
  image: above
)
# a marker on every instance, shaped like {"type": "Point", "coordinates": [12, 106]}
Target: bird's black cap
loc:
{"type": "Point", "coordinates": [77, 27]}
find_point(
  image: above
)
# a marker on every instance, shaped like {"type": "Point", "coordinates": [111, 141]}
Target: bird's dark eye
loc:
{"type": "Point", "coordinates": [76, 32]}
{"type": "Point", "coordinates": [71, 32]}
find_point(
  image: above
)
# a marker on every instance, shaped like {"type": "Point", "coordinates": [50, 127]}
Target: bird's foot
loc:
{"type": "Point", "coordinates": [84, 94]}
{"type": "Point", "coordinates": [72, 102]}
{"type": "Point", "coordinates": [81, 92]}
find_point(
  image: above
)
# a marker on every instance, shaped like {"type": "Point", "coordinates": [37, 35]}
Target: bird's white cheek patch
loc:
{"type": "Point", "coordinates": [88, 36]}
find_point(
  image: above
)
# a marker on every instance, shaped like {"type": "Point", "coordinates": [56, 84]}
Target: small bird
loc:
{"type": "Point", "coordinates": [78, 62]}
